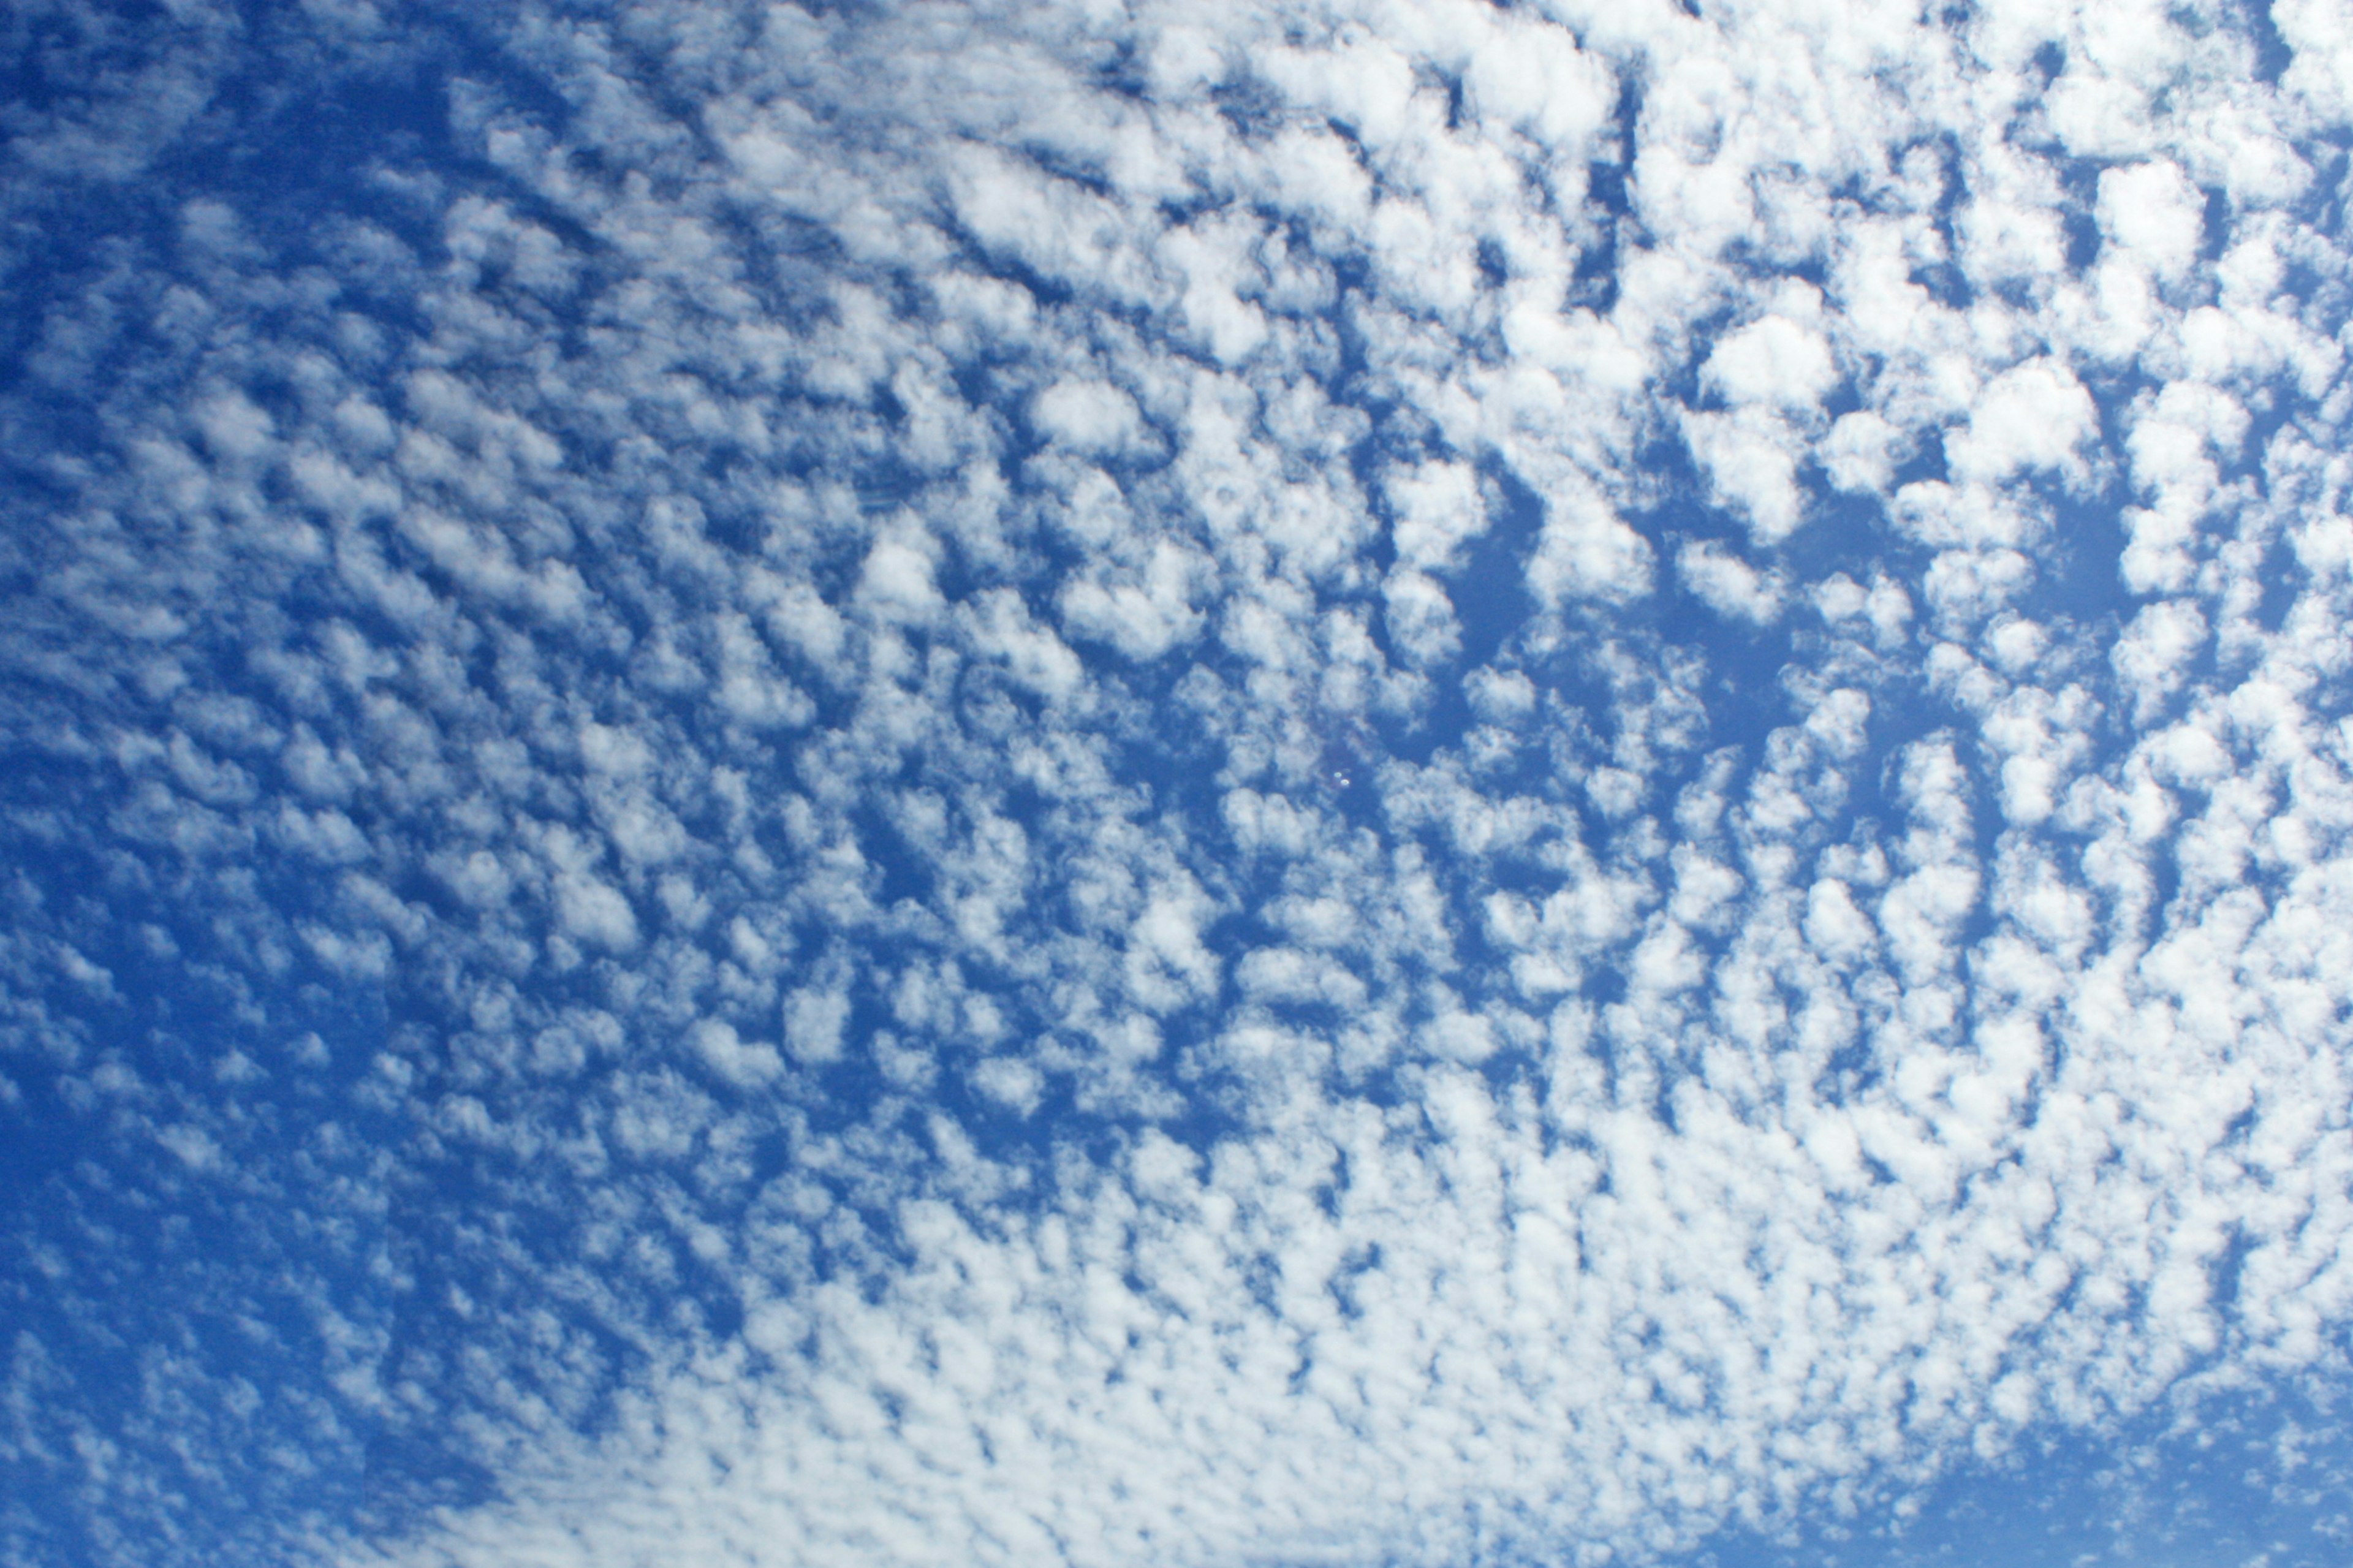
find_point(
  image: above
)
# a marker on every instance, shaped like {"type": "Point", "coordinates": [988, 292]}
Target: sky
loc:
{"type": "Point", "coordinates": [1106, 783]}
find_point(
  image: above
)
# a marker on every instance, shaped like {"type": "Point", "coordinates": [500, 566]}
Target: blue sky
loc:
{"type": "Point", "coordinates": [1101, 783]}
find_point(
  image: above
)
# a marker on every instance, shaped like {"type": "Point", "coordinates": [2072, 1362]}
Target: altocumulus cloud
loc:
{"type": "Point", "coordinates": [1094, 784]}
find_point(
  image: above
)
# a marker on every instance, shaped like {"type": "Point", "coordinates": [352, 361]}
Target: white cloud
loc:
{"type": "Point", "coordinates": [1089, 417]}
{"type": "Point", "coordinates": [1860, 452]}
{"type": "Point", "coordinates": [1033, 654]}
{"type": "Point", "coordinates": [813, 1021]}
{"type": "Point", "coordinates": [1010, 1082]}
{"type": "Point", "coordinates": [1536, 77]}
{"type": "Point", "coordinates": [2321, 68]}
{"type": "Point", "coordinates": [2150, 655]}
{"type": "Point", "coordinates": [1751, 461]}
{"type": "Point", "coordinates": [731, 1056]}
{"type": "Point", "coordinates": [896, 581]}
{"type": "Point", "coordinates": [1438, 508]}
{"type": "Point", "coordinates": [2153, 216]}
{"type": "Point", "coordinates": [1421, 617]}
{"type": "Point", "coordinates": [588, 909]}
{"type": "Point", "coordinates": [1772, 360]}
{"type": "Point", "coordinates": [1729, 586]}
{"type": "Point", "coordinates": [2034, 415]}
{"type": "Point", "coordinates": [1587, 552]}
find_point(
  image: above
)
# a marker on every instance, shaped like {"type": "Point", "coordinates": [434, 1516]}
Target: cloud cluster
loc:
{"type": "Point", "coordinates": [929, 785]}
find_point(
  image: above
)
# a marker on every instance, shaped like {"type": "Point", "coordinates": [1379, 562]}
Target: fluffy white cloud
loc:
{"type": "Point", "coordinates": [2032, 416]}
{"type": "Point", "coordinates": [1728, 584]}
{"type": "Point", "coordinates": [1438, 509]}
{"type": "Point", "coordinates": [1089, 417]}
{"type": "Point", "coordinates": [1752, 467]}
{"type": "Point", "coordinates": [2153, 216]}
{"type": "Point", "coordinates": [1587, 551]}
{"type": "Point", "coordinates": [1774, 360]}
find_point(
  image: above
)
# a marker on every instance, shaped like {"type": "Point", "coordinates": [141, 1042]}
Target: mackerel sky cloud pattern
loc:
{"type": "Point", "coordinates": [1100, 783]}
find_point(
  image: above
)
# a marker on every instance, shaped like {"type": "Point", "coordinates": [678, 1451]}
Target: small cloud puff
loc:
{"type": "Point", "coordinates": [896, 583]}
{"type": "Point", "coordinates": [1587, 552]}
{"type": "Point", "coordinates": [2032, 416]}
{"type": "Point", "coordinates": [2152, 216]}
{"type": "Point", "coordinates": [1438, 508]}
{"type": "Point", "coordinates": [1773, 360]}
{"type": "Point", "coordinates": [724, 1052]}
{"type": "Point", "coordinates": [1729, 586]}
{"type": "Point", "coordinates": [1089, 417]}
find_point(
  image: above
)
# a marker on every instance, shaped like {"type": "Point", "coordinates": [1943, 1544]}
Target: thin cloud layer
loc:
{"type": "Point", "coordinates": [1307, 782]}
